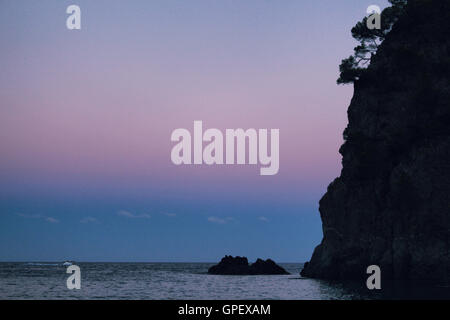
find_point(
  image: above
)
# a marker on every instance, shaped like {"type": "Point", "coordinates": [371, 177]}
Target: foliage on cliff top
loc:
{"type": "Point", "coordinates": [352, 67]}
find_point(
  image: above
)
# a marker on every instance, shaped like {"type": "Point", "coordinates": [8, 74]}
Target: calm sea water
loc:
{"type": "Point", "coordinates": [179, 281]}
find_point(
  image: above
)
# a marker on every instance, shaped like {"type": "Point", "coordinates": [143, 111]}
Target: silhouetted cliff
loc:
{"type": "Point", "coordinates": [391, 204]}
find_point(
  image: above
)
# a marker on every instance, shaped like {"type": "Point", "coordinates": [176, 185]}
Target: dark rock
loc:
{"type": "Point", "coordinates": [231, 265]}
{"type": "Point", "coordinates": [305, 267]}
{"type": "Point", "coordinates": [239, 266]}
{"type": "Point", "coordinates": [391, 204]}
{"type": "Point", "coordinates": [266, 267]}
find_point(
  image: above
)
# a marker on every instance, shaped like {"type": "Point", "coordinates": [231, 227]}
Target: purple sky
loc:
{"type": "Point", "coordinates": [86, 118]}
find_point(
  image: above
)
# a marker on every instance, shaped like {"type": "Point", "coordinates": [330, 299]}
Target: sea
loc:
{"type": "Point", "coordinates": [190, 281]}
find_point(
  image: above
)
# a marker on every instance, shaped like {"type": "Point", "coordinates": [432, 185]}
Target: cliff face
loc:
{"type": "Point", "coordinates": [391, 204]}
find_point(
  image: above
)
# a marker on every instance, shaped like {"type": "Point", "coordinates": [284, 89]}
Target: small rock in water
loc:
{"type": "Point", "coordinates": [239, 266]}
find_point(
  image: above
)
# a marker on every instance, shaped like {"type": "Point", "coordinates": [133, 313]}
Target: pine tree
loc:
{"type": "Point", "coordinates": [370, 39]}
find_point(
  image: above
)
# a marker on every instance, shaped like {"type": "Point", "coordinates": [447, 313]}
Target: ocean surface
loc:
{"type": "Point", "coordinates": [34, 280]}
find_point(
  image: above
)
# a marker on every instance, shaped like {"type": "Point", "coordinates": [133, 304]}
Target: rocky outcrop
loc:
{"type": "Point", "coordinates": [391, 204]}
{"type": "Point", "coordinates": [266, 267]}
{"type": "Point", "coordinates": [239, 266]}
{"type": "Point", "coordinates": [231, 265]}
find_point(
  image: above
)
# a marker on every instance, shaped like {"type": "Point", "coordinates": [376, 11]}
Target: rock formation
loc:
{"type": "Point", "coordinates": [239, 266]}
{"type": "Point", "coordinates": [391, 204]}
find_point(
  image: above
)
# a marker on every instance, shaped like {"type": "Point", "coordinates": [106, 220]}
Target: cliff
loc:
{"type": "Point", "coordinates": [391, 204]}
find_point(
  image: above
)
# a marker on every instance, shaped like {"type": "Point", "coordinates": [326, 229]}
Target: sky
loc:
{"type": "Point", "coordinates": [86, 118]}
